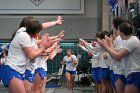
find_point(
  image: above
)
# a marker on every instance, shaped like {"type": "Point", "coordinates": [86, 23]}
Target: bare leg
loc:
{"type": "Point", "coordinates": [131, 89]}
{"type": "Point", "coordinates": [120, 87]}
{"type": "Point", "coordinates": [110, 88]}
{"type": "Point", "coordinates": [67, 75]}
{"type": "Point", "coordinates": [37, 84]}
{"type": "Point", "coordinates": [16, 86]}
{"type": "Point", "coordinates": [104, 84]}
{"type": "Point", "coordinates": [43, 85]}
{"type": "Point", "coordinates": [72, 81]}
{"type": "Point", "coordinates": [99, 88]}
{"type": "Point", "coordinates": [28, 86]}
{"type": "Point", "coordinates": [96, 88]}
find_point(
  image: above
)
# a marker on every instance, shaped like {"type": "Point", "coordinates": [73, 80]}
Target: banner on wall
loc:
{"type": "Point", "coordinates": [112, 2]}
{"type": "Point", "coordinates": [42, 7]}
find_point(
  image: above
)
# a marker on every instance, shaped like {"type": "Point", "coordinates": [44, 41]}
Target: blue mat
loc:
{"type": "Point", "coordinates": [52, 85]}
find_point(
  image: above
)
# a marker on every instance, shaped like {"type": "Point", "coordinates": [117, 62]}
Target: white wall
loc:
{"type": "Point", "coordinates": [75, 26]}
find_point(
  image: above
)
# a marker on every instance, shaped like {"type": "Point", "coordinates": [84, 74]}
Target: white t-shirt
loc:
{"type": "Point", "coordinates": [104, 62]}
{"type": "Point", "coordinates": [69, 65]}
{"type": "Point", "coordinates": [118, 42]}
{"type": "Point", "coordinates": [95, 60]}
{"type": "Point", "coordinates": [41, 63]}
{"type": "Point", "coordinates": [97, 48]}
{"type": "Point", "coordinates": [132, 60]}
{"type": "Point", "coordinates": [118, 66]}
{"type": "Point", "coordinates": [16, 58]}
{"type": "Point", "coordinates": [97, 55]}
{"type": "Point", "coordinates": [38, 62]}
{"type": "Point", "coordinates": [31, 65]}
{"type": "Point", "coordinates": [110, 63]}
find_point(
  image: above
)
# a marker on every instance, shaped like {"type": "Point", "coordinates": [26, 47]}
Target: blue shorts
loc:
{"type": "Point", "coordinates": [112, 78]}
{"type": "Point", "coordinates": [121, 77]}
{"type": "Point", "coordinates": [29, 76]}
{"type": "Point", "coordinates": [42, 73]}
{"type": "Point", "coordinates": [134, 78]}
{"type": "Point", "coordinates": [104, 73]}
{"type": "Point", "coordinates": [71, 72]}
{"type": "Point", "coordinates": [96, 75]}
{"type": "Point", "coordinates": [7, 74]}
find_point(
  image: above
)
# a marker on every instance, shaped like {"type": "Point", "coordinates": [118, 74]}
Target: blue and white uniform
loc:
{"type": "Point", "coordinates": [96, 63]}
{"type": "Point", "coordinates": [118, 68]}
{"type": "Point", "coordinates": [104, 71]}
{"type": "Point", "coordinates": [16, 61]}
{"type": "Point", "coordinates": [70, 66]}
{"type": "Point", "coordinates": [41, 65]}
{"type": "Point", "coordinates": [132, 61]}
{"type": "Point", "coordinates": [31, 66]}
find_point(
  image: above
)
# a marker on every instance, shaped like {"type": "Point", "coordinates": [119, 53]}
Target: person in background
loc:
{"type": "Point", "coordinates": [3, 57]}
{"type": "Point", "coordinates": [71, 63]}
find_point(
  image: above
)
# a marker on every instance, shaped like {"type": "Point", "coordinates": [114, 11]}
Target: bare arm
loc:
{"type": "Point", "coordinates": [49, 50]}
{"type": "Point", "coordinates": [117, 55]}
{"type": "Point", "coordinates": [91, 48]}
{"type": "Point", "coordinates": [54, 53]}
{"type": "Point", "coordinates": [88, 46]}
{"type": "Point", "coordinates": [32, 53]}
{"type": "Point", "coordinates": [60, 35]}
{"type": "Point", "coordinates": [83, 47]}
{"type": "Point", "coordinates": [75, 61]}
{"type": "Point", "coordinates": [63, 62]}
{"type": "Point", "coordinates": [58, 21]}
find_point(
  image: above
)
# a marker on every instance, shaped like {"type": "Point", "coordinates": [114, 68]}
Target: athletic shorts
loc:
{"type": "Point", "coordinates": [121, 77]}
{"type": "Point", "coordinates": [96, 75]}
{"type": "Point", "coordinates": [112, 78]}
{"type": "Point", "coordinates": [134, 78]}
{"type": "Point", "coordinates": [71, 72]}
{"type": "Point", "coordinates": [104, 73]}
{"type": "Point", "coordinates": [42, 73]}
{"type": "Point", "coordinates": [29, 76]}
{"type": "Point", "coordinates": [7, 74]}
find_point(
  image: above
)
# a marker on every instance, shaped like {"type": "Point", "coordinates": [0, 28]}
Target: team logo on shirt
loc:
{"type": "Point", "coordinates": [69, 62]}
{"type": "Point", "coordinates": [37, 2]}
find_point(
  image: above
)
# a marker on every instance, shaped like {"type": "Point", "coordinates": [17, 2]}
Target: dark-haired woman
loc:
{"type": "Point", "coordinates": [20, 51]}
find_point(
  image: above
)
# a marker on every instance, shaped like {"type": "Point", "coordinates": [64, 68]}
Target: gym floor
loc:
{"type": "Point", "coordinates": [78, 88]}
{"type": "Point", "coordinates": [62, 89]}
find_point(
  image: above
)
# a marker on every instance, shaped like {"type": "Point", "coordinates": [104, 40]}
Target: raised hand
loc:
{"type": "Point", "coordinates": [108, 39]}
{"type": "Point", "coordinates": [61, 34]}
{"type": "Point", "coordinates": [46, 42]}
{"type": "Point", "coordinates": [63, 62]}
{"type": "Point", "coordinates": [50, 49]}
{"type": "Point", "coordinates": [59, 20]}
{"type": "Point", "coordinates": [103, 44]}
{"type": "Point", "coordinates": [83, 42]}
{"type": "Point", "coordinates": [59, 50]}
